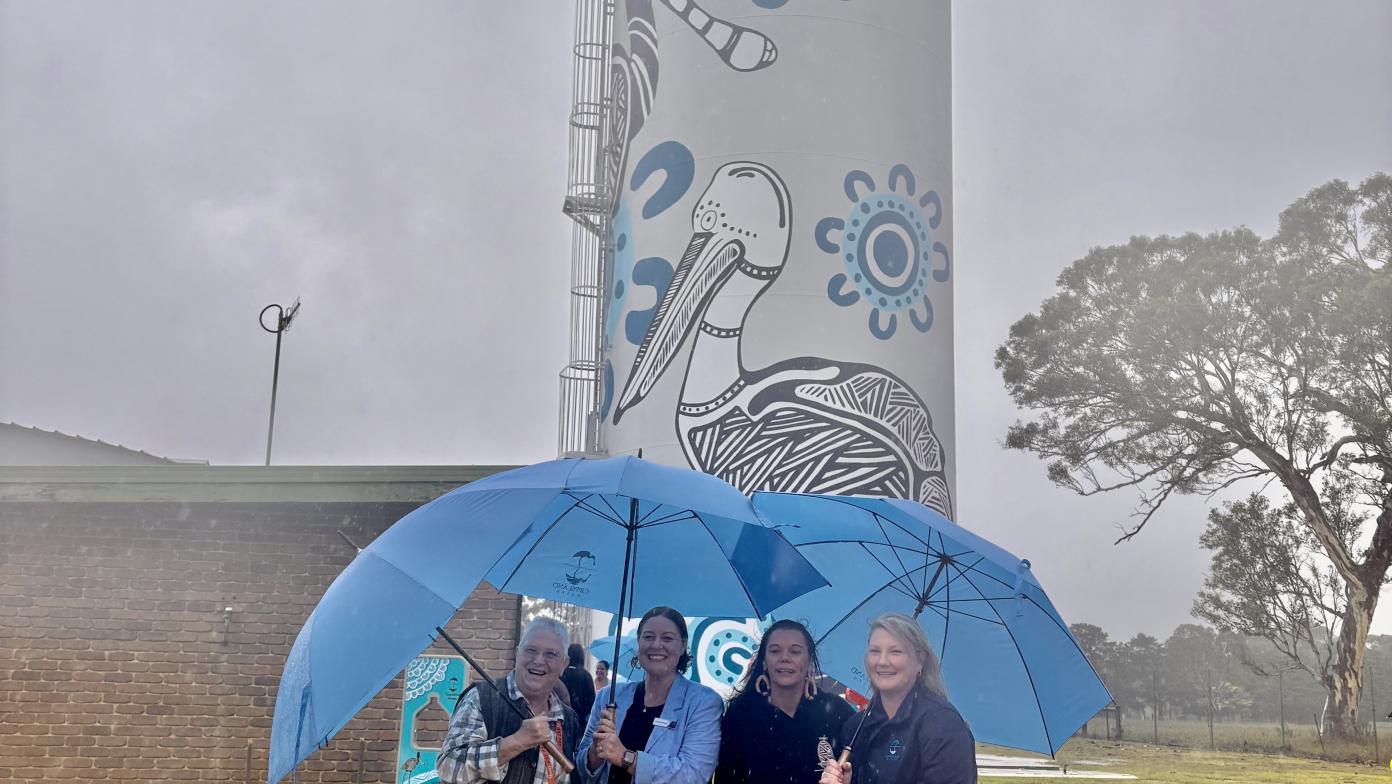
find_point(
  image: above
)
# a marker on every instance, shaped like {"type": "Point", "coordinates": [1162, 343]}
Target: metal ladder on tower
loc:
{"type": "Point", "coordinates": [589, 205]}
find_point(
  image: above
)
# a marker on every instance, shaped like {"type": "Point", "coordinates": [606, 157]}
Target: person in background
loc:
{"type": "Point", "coordinates": [912, 733]}
{"type": "Point", "coordinates": [601, 674]}
{"type": "Point", "coordinates": [666, 729]}
{"type": "Point", "coordinates": [578, 681]}
{"type": "Point", "coordinates": [778, 728]}
{"type": "Point", "coordinates": [488, 741]}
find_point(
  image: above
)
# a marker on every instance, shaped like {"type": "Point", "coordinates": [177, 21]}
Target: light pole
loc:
{"type": "Point", "coordinates": [282, 323]}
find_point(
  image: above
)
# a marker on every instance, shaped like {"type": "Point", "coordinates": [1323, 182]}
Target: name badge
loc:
{"type": "Point", "coordinates": [665, 723]}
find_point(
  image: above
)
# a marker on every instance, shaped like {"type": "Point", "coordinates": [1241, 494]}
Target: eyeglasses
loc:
{"type": "Point", "coordinates": [549, 656]}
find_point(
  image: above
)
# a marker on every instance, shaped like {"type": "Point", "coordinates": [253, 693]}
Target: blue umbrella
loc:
{"type": "Point", "coordinates": [602, 648]}
{"type": "Point", "coordinates": [1011, 666]}
{"type": "Point", "coordinates": [384, 608]}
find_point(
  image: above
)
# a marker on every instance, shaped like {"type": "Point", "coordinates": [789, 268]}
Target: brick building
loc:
{"type": "Point", "coordinates": [146, 611]}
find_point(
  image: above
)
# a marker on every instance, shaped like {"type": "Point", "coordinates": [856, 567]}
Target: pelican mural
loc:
{"type": "Point", "coordinates": [805, 424]}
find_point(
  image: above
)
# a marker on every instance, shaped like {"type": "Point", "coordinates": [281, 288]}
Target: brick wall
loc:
{"type": "Point", "coordinates": [118, 662]}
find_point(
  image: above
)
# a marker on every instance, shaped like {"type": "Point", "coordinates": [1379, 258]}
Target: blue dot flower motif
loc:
{"type": "Point", "coordinates": [888, 249]}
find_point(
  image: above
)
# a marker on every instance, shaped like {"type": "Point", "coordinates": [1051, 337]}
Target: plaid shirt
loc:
{"type": "Point", "coordinates": [469, 756]}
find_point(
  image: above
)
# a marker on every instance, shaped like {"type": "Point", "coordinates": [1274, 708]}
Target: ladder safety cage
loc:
{"type": "Point", "coordinates": [589, 205]}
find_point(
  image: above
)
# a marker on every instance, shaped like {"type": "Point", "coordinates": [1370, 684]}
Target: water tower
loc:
{"type": "Point", "coordinates": [763, 242]}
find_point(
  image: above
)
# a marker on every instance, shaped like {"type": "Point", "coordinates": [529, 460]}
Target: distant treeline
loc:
{"type": "Point", "coordinates": [1244, 676]}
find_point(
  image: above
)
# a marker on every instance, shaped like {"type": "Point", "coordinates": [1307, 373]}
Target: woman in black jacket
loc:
{"type": "Point", "coordinates": [912, 733]}
{"type": "Point", "coordinates": [777, 723]}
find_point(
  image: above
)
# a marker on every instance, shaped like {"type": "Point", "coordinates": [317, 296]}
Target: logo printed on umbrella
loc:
{"type": "Point", "coordinates": [585, 563]}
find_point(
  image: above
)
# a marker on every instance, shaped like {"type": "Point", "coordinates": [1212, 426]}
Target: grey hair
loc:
{"type": "Point", "coordinates": [907, 631]}
{"type": "Point", "coordinates": [543, 623]}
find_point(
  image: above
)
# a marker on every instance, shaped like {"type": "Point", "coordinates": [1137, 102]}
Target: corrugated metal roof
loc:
{"type": "Point", "coordinates": [21, 445]}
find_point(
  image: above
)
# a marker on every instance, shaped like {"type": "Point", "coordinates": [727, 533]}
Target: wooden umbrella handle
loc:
{"type": "Point", "coordinates": [566, 765]}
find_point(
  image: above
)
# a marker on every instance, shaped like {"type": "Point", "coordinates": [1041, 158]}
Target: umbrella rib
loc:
{"type": "Point", "coordinates": [990, 576]}
{"type": "Point", "coordinates": [907, 531]}
{"type": "Point", "coordinates": [846, 616]}
{"type": "Point", "coordinates": [656, 507]}
{"type": "Point", "coordinates": [675, 517]}
{"type": "Point", "coordinates": [537, 541]}
{"type": "Point", "coordinates": [889, 545]}
{"type": "Point", "coordinates": [911, 591]}
{"type": "Point", "coordinates": [618, 517]}
{"type": "Point", "coordinates": [594, 510]}
{"type": "Point", "coordinates": [1025, 664]}
{"type": "Point", "coordinates": [955, 611]}
{"type": "Point", "coordinates": [879, 523]}
{"type": "Point", "coordinates": [739, 578]}
{"type": "Point", "coordinates": [947, 622]}
{"type": "Point", "coordinates": [958, 565]}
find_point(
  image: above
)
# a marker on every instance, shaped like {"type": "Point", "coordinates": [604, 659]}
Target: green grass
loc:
{"type": "Point", "coordinates": [1172, 765]}
{"type": "Point", "coordinates": [1259, 737]}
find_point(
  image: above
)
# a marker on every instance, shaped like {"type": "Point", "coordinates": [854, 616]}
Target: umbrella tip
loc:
{"type": "Point", "coordinates": [350, 542]}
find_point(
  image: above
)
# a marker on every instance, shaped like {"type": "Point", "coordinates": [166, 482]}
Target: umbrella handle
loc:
{"type": "Point", "coordinates": [845, 756]}
{"type": "Point", "coordinates": [566, 765]}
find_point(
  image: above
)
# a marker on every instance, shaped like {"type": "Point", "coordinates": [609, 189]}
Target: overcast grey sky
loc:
{"type": "Point", "coordinates": [169, 168]}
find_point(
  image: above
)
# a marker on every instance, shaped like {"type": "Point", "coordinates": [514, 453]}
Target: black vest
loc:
{"type": "Point", "coordinates": [500, 721]}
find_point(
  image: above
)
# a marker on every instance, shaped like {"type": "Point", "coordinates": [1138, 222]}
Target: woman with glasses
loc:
{"type": "Point", "coordinates": [911, 733]}
{"type": "Point", "coordinates": [665, 729]}
{"type": "Point", "coordinates": [779, 728]}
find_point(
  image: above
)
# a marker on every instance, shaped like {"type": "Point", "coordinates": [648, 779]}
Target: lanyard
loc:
{"type": "Point", "coordinates": [546, 758]}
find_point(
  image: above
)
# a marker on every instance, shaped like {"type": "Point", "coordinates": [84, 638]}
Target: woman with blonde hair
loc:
{"type": "Point", "coordinates": [910, 733]}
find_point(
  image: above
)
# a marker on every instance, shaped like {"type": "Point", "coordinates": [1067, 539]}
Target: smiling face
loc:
{"type": "Point", "coordinates": [892, 663]}
{"type": "Point", "coordinates": [786, 658]}
{"type": "Point", "coordinates": [660, 646]}
{"type": "Point", "coordinates": [540, 660]}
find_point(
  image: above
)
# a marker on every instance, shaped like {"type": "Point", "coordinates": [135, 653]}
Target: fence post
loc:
{"type": "Point", "coordinates": [1155, 706]}
{"type": "Point", "coordinates": [1372, 693]}
{"type": "Point", "coordinates": [1208, 681]}
{"type": "Point", "coordinates": [1281, 697]}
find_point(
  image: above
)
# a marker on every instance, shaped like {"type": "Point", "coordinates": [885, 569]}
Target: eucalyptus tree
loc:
{"type": "Point", "coordinates": [1189, 364]}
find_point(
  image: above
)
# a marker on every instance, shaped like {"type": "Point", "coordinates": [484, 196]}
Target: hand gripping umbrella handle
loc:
{"type": "Point", "coordinates": [846, 752]}
{"type": "Point", "coordinates": [550, 745]}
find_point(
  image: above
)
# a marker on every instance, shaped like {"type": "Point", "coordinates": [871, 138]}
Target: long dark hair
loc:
{"type": "Point", "coordinates": [676, 618]}
{"type": "Point", "coordinates": [758, 666]}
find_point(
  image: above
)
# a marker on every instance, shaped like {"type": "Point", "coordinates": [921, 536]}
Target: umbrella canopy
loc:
{"type": "Point", "coordinates": [383, 609]}
{"type": "Point", "coordinates": [1011, 666]}
{"type": "Point", "coordinates": [602, 648]}
{"type": "Point", "coordinates": [673, 535]}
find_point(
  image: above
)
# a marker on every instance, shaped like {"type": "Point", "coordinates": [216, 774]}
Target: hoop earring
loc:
{"type": "Point", "coordinates": [761, 685]}
{"type": "Point", "coordinates": [810, 687]}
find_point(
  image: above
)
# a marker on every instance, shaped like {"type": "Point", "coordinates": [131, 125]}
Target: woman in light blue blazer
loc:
{"type": "Point", "coordinates": [666, 729]}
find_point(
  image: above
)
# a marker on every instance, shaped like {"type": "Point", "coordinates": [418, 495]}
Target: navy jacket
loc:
{"type": "Point", "coordinates": [926, 742]}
